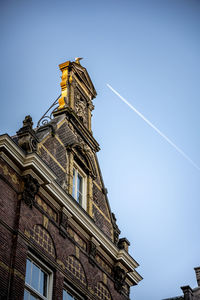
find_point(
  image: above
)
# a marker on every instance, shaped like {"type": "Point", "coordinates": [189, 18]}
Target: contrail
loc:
{"type": "Point", "coordinates": [155, 128]}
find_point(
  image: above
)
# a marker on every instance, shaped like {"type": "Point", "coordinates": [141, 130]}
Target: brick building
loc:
{"type": "Point", "coordinates": [58, 236]}
{"type": "Point", "coordinates": [188, 292]}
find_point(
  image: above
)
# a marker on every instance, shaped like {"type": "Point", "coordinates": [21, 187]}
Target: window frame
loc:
{"type": "Point", "coordinates": [68, 288]}
{"type": "Point", "coordinates": [43, 267]}
{"type": "Point", "coordinates": [79, 171]}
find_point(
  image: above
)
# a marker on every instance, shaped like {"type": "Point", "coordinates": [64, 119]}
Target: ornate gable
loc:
{"type": "Point", "coordinates": [68, 147]}
{"type": "Point", "coordinates": [77, 92]}
{"type": "Point", "coordinates": [55, 211]}
{"type": "Point", "coordinates": [82, 75]}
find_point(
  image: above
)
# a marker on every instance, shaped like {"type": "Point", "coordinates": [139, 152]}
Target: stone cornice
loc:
{"type": "Point", "coordinates": [26, 161]}
{"type": "Point", "coordinates": [35, 164]}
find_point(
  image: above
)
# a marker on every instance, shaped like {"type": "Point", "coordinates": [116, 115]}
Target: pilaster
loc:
{"type": "Point", "coordinates": [64, 84]}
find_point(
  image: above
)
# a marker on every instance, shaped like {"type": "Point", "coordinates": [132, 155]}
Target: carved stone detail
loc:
{"type": "Point", "coordinates": [123, 244]}
{"type": "Point", "coordinates": [81, 109]}
{"type": "Point", "coordinates": [91, 105]}
{"type": "Point", "coordinates": [83, 152]}
{"type": "Point", "coordinates": [27, 139]}
{"type": "Point", "coordinates": [119, 276]}
{"type": "Point", "coordinates": [31, 187]}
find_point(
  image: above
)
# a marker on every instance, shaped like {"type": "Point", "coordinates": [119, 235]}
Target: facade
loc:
{"type": "Point", "coordinates": [188, 292]}
{"type": "Point", "coordinates": [58, 236]}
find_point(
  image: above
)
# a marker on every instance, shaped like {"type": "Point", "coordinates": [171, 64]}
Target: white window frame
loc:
{"type": "Point", "coordinates": [84, 182]}
{"type": "Point", "coordinates": [49, 273]}
{"type": "Point", "coordinates": [74, 293]}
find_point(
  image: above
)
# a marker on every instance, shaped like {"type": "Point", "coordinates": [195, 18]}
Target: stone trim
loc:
{"type": "Point", "coordinates": [33, 161]}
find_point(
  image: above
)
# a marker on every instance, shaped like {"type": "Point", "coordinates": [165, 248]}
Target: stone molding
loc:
{"type": "Point", "coordinates": [119, 275]}
{"type": "Point", "coordinates": [31, 188]}
{"type": "Point", "coordinates": [35, 164]}
{"type": "Point", "coordinates": [27, 138]}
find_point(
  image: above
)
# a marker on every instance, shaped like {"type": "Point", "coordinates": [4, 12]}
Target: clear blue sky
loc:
{"type": "Point", "coordinates": [149, 52]}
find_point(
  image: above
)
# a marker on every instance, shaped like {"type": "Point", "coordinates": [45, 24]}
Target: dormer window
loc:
{"type": "Point", "coordinates": [79, 186]}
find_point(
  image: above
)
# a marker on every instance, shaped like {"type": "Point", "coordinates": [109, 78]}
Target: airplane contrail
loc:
{"type": "Point", "coordinates": [155, 128]}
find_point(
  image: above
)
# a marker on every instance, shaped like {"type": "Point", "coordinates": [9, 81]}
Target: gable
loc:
{"type": "Point", "coordinates": [67, 150]}
{"type": "Point", "coordinates": [84, 77]}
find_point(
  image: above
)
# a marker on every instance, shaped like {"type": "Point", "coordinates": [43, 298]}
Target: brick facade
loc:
{"type": "Point", "coordinates": [39, 217]}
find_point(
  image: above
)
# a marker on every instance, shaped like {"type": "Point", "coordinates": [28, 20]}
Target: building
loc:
{"type": "Point", "coordinates": [188, 292]}
{"type": "Point", "coordinates": [58, 236]}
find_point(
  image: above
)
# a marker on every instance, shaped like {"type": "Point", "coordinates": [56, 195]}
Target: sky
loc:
{"type": "Point", "coordinates": [149, 52]}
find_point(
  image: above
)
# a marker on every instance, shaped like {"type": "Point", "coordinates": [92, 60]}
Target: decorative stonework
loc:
{"type": "Point", "coordinates": [126, 289]}
{"type": "Point", "coordinates": [8, 173]}
{"type": "Point", "coordinates": [41, 236]}
{"type": "Point", "coordinates": [197, 271]}
{"type": "Point", "coordinates": [31, 187]}
{"type": "Point", "coordinates": [119, 276]}
{"type": "Point", "coordinates": [74, 266]}
{"type": "Point", "coordinates": [102, 292]}
{"type": "Point", "coordinates": [116, 231]}
{"type": "Point", "coordinates": [81, 109]}
{"type": "Point", "coordinates": [77, 238]}
{"type": "Point", "coordinates": [84, 154]}
{"type": "Point", "coordinates": [27, 138]}
{"type": "Point", "coordinates": [45, 222]}
{"type": "Point", "coordinates": [103, 264]}
{"type": "Point", "coordinates": [123, 244]}
{"type": "Point", "coordinates": [46, 208]}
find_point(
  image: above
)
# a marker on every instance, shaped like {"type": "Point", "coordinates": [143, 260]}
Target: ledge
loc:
{"type": "Point", "coordinates": [33, 162]}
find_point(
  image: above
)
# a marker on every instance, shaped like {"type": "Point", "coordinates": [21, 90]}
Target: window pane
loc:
{"type": "Point", "coordinates": [80, 188]}
{"type": "Point", "coordinates": [80, 198]}
{"type": "Point", "coordinates": [36, 280]}
{"type": "Point", "coordinates": [28, 271]}
{"type": "Point", "coordinates": [33, 298]}
{"type": "Point", "coordinates": [26, 295]}
{"type": "Point", "coordinates": [35, 277]}
{"type": "Point", "coordinates": [74, 183]}
{"type": "Point", "coordinates": [64, 295]}
{"type": "Point", "coordinates": [41, 287]}
{"type": "Point", "coordinates": [43, 283]}
{"type": "Point", "coordinates": [80, 183]}
{"type": "Point", "coordinates": [67, 296]}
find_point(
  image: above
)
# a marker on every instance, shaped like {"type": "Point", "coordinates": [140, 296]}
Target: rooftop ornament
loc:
{"type": "Point", "coordinates": [48, 115]}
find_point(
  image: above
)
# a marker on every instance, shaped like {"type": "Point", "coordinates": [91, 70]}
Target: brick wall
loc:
{"type": "Point", "coordinates": [37, 230]}
{"type": "Point", "coordinates": [53, 152]}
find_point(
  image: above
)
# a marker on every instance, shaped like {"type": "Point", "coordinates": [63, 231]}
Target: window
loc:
{"type": "Point", "coordinates": [79, 187]}
{"type": "Point", "coordinates": [67, 296]}
{"type": "Point", "coordinates": [70, 294]}
{"type": "Point", "coordinates": [38, 280]}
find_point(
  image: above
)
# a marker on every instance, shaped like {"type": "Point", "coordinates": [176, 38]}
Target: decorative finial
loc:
{"type": "Point", "coordinates": [27, 138]}
{"type": "Point", "coordinates": [77, 60]}
{"type": "Point", "coordinates": [28, 122]}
